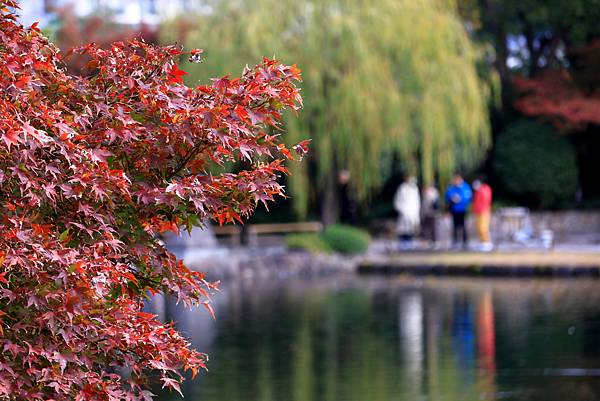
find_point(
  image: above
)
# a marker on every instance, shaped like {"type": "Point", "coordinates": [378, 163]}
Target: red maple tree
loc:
{"type": "Point", "coordinates": [568, 98]}
{"type": "Point", "coordinates": [92, 169]}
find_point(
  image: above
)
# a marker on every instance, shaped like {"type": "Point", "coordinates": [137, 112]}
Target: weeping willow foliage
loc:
{"type": "Point", "coordinates": [382, 79]}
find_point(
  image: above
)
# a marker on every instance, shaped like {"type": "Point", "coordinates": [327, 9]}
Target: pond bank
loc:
{"type": "Point", "coordinates": [221, 263]}
{"type": "Point", "coordinates": [279, 262]}
{"type": "Point", "coordinates": [524, 263]}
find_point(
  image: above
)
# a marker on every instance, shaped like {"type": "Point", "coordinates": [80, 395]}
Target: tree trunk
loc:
{"type": "Point", "coordinates": [534, 53]}
{"type": "Point", "coordinates": [48, 6]}
{"type": "Point", "coordinates": [330, 203]}
{"type": "Point", "coordinates": [497, 22]}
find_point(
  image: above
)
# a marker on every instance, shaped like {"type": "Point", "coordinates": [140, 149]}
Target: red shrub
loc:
{"type": "Point", "coordinates": [554, 96]}
{"type": "Point", "coordinates": [569, 99]}
{"type": "Point", "coordinates": [92, 169]}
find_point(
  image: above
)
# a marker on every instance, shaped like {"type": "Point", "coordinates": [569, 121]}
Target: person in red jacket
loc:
{"type": "Point", "coordinates": [482, 210]}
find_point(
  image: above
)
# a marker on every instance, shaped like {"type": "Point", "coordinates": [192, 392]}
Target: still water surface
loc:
{"type": "Point", "coordinates": [373, 339]}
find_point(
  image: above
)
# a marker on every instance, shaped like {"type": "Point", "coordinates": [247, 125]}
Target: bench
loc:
{"type": "Point", "coordinates": [230, 230]}
{"type": "Point", "coordinates": [254, 230]}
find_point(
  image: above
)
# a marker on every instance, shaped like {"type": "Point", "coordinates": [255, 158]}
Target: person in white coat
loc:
{"type": "Point", "coordinates": [407, 203]}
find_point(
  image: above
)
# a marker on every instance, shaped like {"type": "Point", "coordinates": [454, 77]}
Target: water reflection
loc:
{"type": "Point", "coordinates": [486, 346]}
{"type": "Point", "coordinates": [410, 322]}
{"type": "Point", "coordinates": [352, 339]}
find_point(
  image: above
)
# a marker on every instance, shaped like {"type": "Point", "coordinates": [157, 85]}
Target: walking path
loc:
{"type": "Point", "coordinates": [523, 262]}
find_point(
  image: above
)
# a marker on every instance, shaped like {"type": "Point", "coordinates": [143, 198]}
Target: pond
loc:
{"type": "Point", "coordinates": [351, 338]}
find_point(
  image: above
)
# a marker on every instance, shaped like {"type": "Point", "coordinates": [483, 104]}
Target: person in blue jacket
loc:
{"type": "Point", "coordinates": [458, 197]}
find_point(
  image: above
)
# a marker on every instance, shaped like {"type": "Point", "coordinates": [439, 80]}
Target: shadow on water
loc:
{"type": "Point", "coordinates": [351, 338]}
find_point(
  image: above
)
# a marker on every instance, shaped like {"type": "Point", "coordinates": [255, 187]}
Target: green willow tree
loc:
{"type": "Point", "coordinates": [383, 79]}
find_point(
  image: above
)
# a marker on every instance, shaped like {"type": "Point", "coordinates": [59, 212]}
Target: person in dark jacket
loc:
{"type": "Point", "coordinates": [429, 214]}
{"type": "Point", "coordinates": [458, 197]}
{"type": "Point", "coordinates": [348, 205]}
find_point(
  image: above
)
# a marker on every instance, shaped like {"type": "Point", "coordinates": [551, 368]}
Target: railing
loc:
{"type": "Point", "coordinates": [254, 230]}
{"type": "Point", "coordinates": [233, 232]}
{"type": "Point", "coordinates": [513, 222]}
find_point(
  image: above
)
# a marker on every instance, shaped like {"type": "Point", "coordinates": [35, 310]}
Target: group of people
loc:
{"type": "Point", "coordinates": [418, 215]}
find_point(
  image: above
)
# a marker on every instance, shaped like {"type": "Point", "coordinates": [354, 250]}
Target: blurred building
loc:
{"type": "Point", "coordinates": [128, 12]}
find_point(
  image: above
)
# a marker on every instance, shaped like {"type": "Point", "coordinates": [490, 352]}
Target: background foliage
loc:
{"type": "Point", "coordinates": [382, 78]}
{"type": "Point", "coordinates": [536, 165]}
{"type": "Point", "coordinates": [381, 73]}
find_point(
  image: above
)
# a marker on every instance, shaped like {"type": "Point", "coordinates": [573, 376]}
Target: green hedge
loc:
{"type": "Point", "coordinates": [335, 238]}
{"type": "Point", "coordinates": [535, 164]}
{"type": "Point", "coordinates": [310, 242]}
{"type": "Point", "coordinates": [346, 239]}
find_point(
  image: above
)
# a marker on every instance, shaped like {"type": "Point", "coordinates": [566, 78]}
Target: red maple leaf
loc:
{"type": "Point", "coordinates": [11, 137]}
{"type": "Point", "coordinates": [175, 74]}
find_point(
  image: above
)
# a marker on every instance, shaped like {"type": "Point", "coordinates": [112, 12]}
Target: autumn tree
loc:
{"type": "Point", "coordinates": [92, 170]}
{"type": "Point", "coordinates": [383, 78]}
{"type": "Point", "coordinates": [569, 98]}
{"type": "Point", "coordinates": [550, 47]}
{"type": "Point", "coordinates": [548, 57]}
{"type": "Point", "coordinates": [74, 31]}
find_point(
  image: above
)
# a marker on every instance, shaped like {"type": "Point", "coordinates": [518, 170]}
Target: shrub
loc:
{"type": "Point", "coordinates": [535, 164]}
{"type": "Point", "coordinates": [310, 242]}
{"type": "Point", "coordinates": [346, 239]}
{"type": "Point", "coordinates": [92, 169]}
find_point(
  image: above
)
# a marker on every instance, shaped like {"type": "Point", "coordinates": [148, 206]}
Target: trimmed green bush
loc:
{"type": "Point", "coordinates": [335, 238]}
{"type": "Point", "coordinates": [310, 242]}
{"type": "Point", "coordinates": [346, 239]}
{"type": "Point", "coordinates": [535, 164]}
